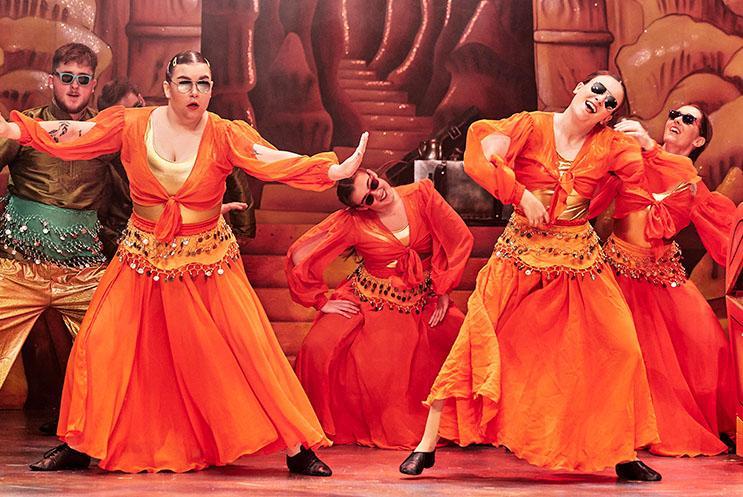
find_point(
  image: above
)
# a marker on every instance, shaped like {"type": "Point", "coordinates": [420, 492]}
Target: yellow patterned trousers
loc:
{"type": "Point", "coordinates": [27, 290]}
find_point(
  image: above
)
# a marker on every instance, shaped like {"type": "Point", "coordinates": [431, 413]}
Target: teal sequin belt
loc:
{"type": "Point", "coordinates": [47, 234]}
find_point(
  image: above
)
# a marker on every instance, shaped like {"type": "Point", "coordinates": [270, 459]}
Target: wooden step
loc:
{"type": "Point", "coordinates": [469, 276]}
{"type": "Point", "coordinates": [359, 74]}
{"type": "Point", "coordinates": [485, 238]}
{"type": "Point", "coordinates": [270, 216]}
{"type": "Point", "coordinates": [277, 196]}
{"type": "Point", "coordinates": [385, 108]}
{"type": "Point", "coordinates": [275, 238]}
{"type": "Point", "coordinates": [280, 307]}
{"type": "Point", "coordinates": [406, 123]}
{"type": "Point", "coordinates": [460, 297]}
{"type": "Point", "coordinates": [387, 96]}
{"type": "Point", "coordinates": [268, 271]}
{"type": "Point", "coordinates": [352, 64]}
{"type": "Point", "coordinates": [396, 140]}
{"type": "Point", "coordinates": [365, 84]}
{"type": "Point", "coordinates": [373, 158]}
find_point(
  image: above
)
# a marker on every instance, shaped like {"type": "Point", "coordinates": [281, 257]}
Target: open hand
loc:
{"type": "Point", "coordinates": [533, 209]}
{"type": "Point", "coordinates": [345, 308]}
{"type": "Point", "coordinates": [442, 305]}
{"type": "Point", "coordinates": [233, 206]}
{"type": "Point", "coordinates": [9, 130]}
{"type": "Point", "coordinates": [348, 167]}
{"type": "Point", "coordinates": [636, 130]}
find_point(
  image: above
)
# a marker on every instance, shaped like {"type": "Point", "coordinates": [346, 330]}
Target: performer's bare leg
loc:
{"type": "Point", "coordinates": [424, 455]}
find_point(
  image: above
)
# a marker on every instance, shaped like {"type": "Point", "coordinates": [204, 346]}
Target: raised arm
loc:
{"type": "Point", "coordinates": [250, 152]}
{"type": "Point", "coordinates": [68, 140]}
{"type": "Point", "coordinates": [312, 253]}
{"type": "Point", "coordinates": [490, 156]}
{"type": "Point", "coordinates": [492, 147]}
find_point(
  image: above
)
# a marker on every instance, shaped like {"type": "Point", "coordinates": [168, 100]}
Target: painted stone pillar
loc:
{"type": "Point", "coordinates": [227, 42]}
{"type": "Point", "coordinates": [571, 40]}
{"type": "Point", "coordinates": [157, 31]}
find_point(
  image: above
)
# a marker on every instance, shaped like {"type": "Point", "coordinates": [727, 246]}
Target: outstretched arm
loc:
{"type": "Point", "coordinates": [247, 150]}
{"type": "Point", "coordinates": [68, 140]}
{"type": "Point", "coordinates": [336, 172]}
{"type": "Point", "coordinates": [60, 131]}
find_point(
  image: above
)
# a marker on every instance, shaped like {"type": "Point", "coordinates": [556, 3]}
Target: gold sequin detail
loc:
{"type": "Point", "coordinates": [381, 292]}
{"type": "Point", "coordinates": [641, 263]}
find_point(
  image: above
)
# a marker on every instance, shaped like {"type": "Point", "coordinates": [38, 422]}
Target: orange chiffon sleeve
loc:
{"type": "Point", "coordinates": [606, 190]}
{"type": "Point", "coordinates": [626, 162]}
{"type": "Point", "coordinates": [713, 215]}
{"type": "Point", "coordinates": [313, 252]}
{"type": "Point", "coordinates": [452, 240]}
{"type": "Point", "coordinates": [102, 139]}
{"type": "Point", "coordinates": [497, 174]}
{"type": "Point", "coordinates": [304, 172]}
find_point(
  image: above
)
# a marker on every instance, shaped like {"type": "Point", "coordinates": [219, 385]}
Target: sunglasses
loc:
{"type": "Point", "coordinates": [599, 89]}
{"type": "Point", "coordinates": [67, 78]}
{"type": "Point", "coordinates": [185, 86]}
{"type": "Point", "coordinates": [368, 199]}
{"type": "Point", "coordinates": [687, 119]}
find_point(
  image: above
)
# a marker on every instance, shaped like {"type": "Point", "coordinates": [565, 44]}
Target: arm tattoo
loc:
{"type": "Point", "coordinates": [60, 131]}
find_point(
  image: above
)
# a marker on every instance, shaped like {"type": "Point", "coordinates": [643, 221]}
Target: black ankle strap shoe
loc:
{"type": "Point", "coordinates": [416, 462]}
{"type": "Point", "coordinates": [636, 471]}
{"type": "Point", "coordinates": [307, 463]}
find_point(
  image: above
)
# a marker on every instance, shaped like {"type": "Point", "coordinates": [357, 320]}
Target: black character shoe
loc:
{"type": "Point", "coordinates": [61, 457]}
{"type": "Point", "coordinates": [416, 462]}
{"type": "Point", "coordinates": [636, 471]}
{"type": "Point", "coordinates": [307, 463]}
{"type": "Point", "coordinates": [49, 428]}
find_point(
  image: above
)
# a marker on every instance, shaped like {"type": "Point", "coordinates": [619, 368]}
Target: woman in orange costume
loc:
{"type": "Point", "coordinates": [176, 366]}
{"type": "Point", "coordinates": [374, 350]}
{"type": "Point", "coordinates": [687, 353]}
{"type": "Point", "coordinates": [547, 362]}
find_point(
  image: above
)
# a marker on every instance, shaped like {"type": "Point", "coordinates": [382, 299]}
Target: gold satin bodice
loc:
{"type": "Point", "coordinates": [577, 205]}
{"type": "Point", "coordinates": [631, 228]}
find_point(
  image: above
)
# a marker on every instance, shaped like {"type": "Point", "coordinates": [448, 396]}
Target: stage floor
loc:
{"type": "Point", "coordinates": [357, 472]}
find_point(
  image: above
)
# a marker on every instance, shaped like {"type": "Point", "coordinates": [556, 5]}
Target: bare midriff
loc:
{"type": "Point", "coordinates": [189, 216]}
{"type": "Point", "coordinates": [631, 228]}
{"type": "Point", "coordinates": [576, 205]}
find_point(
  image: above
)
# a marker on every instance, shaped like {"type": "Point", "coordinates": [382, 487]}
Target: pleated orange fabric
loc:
{"type": "Point", "coordinates": [176, 366]}
{"type": "Point", "coordinates": [547, 361]}
{"type": "Point", "coordinates": [368, 376]}
{"type": "Point", "coordinates": [686, 351]}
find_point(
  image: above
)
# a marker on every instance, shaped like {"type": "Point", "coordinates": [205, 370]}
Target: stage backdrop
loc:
{"type": "Point", "coordinates": [313, 74]}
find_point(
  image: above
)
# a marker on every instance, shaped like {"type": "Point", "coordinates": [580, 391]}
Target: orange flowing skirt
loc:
{"type": "Point", "coordinates": [176, 366]}
{"type": "Point", "coordinates": [547, 362]}
{"type": "Point", "coordinates": [367, 376]}
{"type": "Point", "coordinates": [687, 353]}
